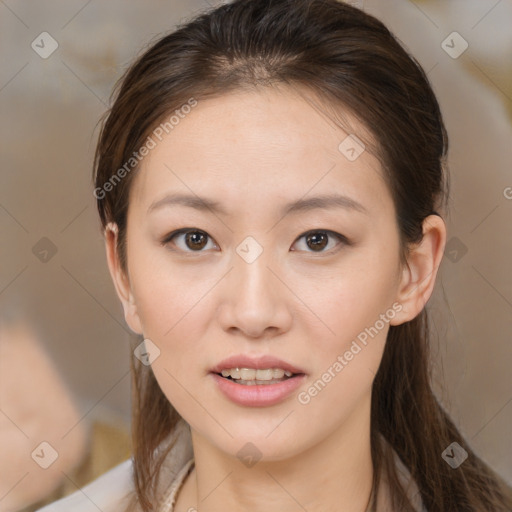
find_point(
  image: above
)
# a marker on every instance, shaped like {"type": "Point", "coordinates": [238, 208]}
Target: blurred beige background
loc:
{"type": "Point", "coordinates": [52, 264]}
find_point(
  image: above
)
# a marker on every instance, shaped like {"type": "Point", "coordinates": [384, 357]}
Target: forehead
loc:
{"type": "Point", "coordinates": [258, 146]}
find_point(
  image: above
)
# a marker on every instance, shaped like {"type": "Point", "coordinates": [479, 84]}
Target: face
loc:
{"type": "Point", "coordinates": [309, 285]}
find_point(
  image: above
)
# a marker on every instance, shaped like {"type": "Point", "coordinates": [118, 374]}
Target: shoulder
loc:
{"type": "Point", "coordinates": [112, 491]}
{"type": "Point", "coordinates": [107, 493]}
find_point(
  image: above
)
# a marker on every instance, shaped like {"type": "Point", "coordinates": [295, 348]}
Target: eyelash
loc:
{"type": "Point", "coordinates": [168, 238]}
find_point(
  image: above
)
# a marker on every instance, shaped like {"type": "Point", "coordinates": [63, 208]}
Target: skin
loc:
{"type": "Point", "coordinates": [253, 152]}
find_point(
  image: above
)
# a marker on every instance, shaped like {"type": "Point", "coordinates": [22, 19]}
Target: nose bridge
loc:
{"type": "Point", "coordinates": [252, 273]}
{"type": "Point", "coordinates": [251, 265]}
{"type": "Point", "coordinates": [254, 300]}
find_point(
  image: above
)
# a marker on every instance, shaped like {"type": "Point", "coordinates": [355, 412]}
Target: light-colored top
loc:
{"type": "Point", "coordinates": [112, 491]}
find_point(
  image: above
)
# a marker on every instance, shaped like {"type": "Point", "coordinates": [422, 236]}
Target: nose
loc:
{"type": "Point", "coordinates": [255, 302]}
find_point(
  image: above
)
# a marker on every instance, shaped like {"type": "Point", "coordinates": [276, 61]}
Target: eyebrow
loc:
{"type": "Point", "coordinates": [325, 201]}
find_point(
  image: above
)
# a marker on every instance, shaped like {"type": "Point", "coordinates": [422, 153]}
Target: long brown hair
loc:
{"type": "Point", "coordinates": [349, 61]}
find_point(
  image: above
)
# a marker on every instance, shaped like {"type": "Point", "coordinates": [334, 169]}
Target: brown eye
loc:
{"type": "Point", "coordinates": [192, 240]}
{"type": "Point", "coordinates": [318, 240]}
{"type": "Point", "coordinates": [195, 239]}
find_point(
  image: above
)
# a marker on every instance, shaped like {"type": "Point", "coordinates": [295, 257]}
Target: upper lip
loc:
{"type": "Point", "coordinates": [258, 363]}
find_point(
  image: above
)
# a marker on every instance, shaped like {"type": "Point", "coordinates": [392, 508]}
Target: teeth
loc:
{"type": "Point", "coordinates": [263, 374]}
{"type": "Point", "coordinates": [259, 382]}
{"type": "Point", "coordinates": [250, 374]}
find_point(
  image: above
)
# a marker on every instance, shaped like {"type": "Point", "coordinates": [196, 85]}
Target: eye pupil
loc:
{"type": "Point", "coordinates": [193, 237]}
{"type": "Point", "coordinates": [318, 239]}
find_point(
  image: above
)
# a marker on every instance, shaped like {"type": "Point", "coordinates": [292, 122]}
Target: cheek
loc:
{"type": "Point", "coordinates": [174, 308]}
{"type": "Point", "coordinates": [347, 359]}
{"type": "Point", "coordinates": [351, 299]}
{"type": "Point", "coordinates": [348, 354]}
{"type": "Point", "coordinates": [355, 307]}
{"type": "Point", "coordinates": [169, 298]}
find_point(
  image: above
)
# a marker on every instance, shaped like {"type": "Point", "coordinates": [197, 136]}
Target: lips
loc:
{"type": "Point", "coordinates": [257, 363]}
{"type": "Point", "coordinates": [257, 395]}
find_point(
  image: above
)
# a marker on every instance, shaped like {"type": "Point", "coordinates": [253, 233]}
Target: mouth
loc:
{"type": "Point", "coordinates": [257, 377]}
{"type": "Point", "coordinates": [259, 370]}
{"type": "Point", "coordinates": [262, 387]}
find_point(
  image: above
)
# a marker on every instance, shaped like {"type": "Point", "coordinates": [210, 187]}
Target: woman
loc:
{"type": "Point", "coordinates": [271, 185]}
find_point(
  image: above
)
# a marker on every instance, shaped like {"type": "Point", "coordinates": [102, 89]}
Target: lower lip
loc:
{"type": "Point", "coordinates": [259, 395]}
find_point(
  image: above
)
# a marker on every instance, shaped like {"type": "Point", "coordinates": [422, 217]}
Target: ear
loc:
{"type": "Point", "coordinates": [120, 279]}
{"type": "Point", "coordinates": [419, 274]}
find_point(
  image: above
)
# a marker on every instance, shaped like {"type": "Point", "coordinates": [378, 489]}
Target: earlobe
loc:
{"type": "Point", "coordinates": [120, 279]}
{"type": "Point", "coordinates": [419, 275]}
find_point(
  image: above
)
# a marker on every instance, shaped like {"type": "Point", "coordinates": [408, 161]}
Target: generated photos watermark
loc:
{"type": "Point", "coordinates": [151, 142]}
{"type": "Point", "coordinates": [357, 345]}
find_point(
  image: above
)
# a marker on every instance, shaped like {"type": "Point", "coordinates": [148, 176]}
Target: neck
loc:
{"type": "Point", "coordinates": [333, 475]}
